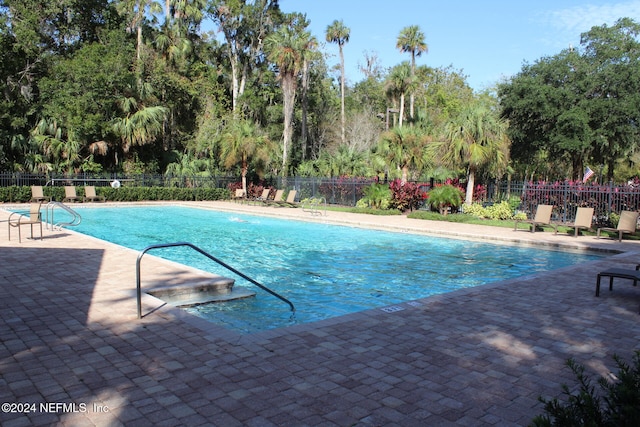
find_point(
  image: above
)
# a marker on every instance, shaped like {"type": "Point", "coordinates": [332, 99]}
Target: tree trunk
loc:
{"type": "Point", "coordinates": [305, 102]}
{"type": "Point", "coordinates": [401, 110]}
{"type": "Point", "coordinates": [289, 96]}
{"type": "Point", "coordinates": [234, 81]}
{"type": "Point", "coordinates": [405, 174]}
{"type": "Point", "coordinates": [342, 117]}
{"type": "Point", "coordinates": [468, 198]}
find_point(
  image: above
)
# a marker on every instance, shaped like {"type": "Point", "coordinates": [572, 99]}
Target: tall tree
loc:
{"type": "Point", "coordinates": [578, 106]}
{"type": "Point", "coordinates": [245, 25]}
{"type": "Point", "coordinates": [411, 39]}
{"type": "Point", "coordinates": [136, 12]}
{"type": "Point", "coordinates": [399, 82]}
{"type": "Point", "coordinates": [286, 49]}
{"type": "Point", "coordinates": [476, 138]}
{"type": "Point", "coordinates": [339, 33]}
{"type": "Point", "coordinates": [613, 55]}
{"type": "Point", "coordinates": [309, 53]}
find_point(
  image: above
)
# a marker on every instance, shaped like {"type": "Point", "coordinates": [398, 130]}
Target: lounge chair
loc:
{"type": "Point", "coordinates": [277, 199]}
{"type": "Point", "coordinates": [37, 194]}
{"type": "Point", "coordinates": [542, 217]}
{"type": "Point", "coordinates": [619, 273]}
{"type": "Point", "coordinates": [291, 200]}
{"type": "Point", "coordinates": [91, 196]}
{"type": "Point", "coordinates": [70, 194]}
{"type": "Point", "coordinates": [239, 196]}
{"type": "Point", "coordinates": [626, 225]}
{"type": "Point", "coordinates": [583, 221]}
{"type": "Point", "coordinates": [18, 219]}
{"type": "Point", "coordinates": [264, 196]}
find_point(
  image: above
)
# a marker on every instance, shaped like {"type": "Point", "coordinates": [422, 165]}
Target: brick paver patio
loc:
{"type": "Point", "coordinates": [73, 352]}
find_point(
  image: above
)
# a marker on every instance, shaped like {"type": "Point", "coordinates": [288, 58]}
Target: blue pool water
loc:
{"type": "Point", "coordinates": [324, 270]}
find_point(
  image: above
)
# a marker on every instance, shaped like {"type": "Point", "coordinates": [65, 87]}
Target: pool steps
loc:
{"type": "Point", "coordinates": [207, 291]}
{"type": "Point", "coordinates": [212, 258]}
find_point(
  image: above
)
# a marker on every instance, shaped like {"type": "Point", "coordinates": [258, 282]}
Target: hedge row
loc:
{"type": "Point", "coordinates": [15, 194]}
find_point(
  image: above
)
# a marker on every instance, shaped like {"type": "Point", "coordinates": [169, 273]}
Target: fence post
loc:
{"type": "Point", "coordinates": [564, 202]}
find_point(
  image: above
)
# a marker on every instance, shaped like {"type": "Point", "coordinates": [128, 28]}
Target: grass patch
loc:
{"type": "Point", "coordinates": [460, 218]}
{"type": "Point", "coordinates": [368, 211]}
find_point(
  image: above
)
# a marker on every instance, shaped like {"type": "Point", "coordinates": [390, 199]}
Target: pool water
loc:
{"type": "Point", "coordinates": [324, 270]}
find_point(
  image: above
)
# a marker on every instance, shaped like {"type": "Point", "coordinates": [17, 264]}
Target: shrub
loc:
{"type": "Point", "coordinates": [376, 196]}
{"type": "Point", "coordinates": [500, 210]}
{"type": "Point", "coordinates": [520, 216]}
{"type": "Point", "coordinates": [475, 209]}
{"type": "Point", "coordinates": [444, 197]}
{"type": "Point", "coordinates": [618, 404]}
{"type": "Point", "coordinates": [614, 219]}
{"type": "Point", "coordinates": [405, 196]}
{"type": "Point", "coordinates": [123, 194]}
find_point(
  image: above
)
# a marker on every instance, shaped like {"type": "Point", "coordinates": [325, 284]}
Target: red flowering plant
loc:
{"type": "Point", "coordinates": [406, 196]}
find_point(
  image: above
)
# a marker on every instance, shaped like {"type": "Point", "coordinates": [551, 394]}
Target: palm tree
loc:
{"type": "Point", "coordinates": [58, 145]}
{"type": "Point", "coordinates": [405, 148]}
{"type": "Point", "coordinates": [476, 138]}
{"type": "Point", "coordinates": [140, 124]}
{"type": "Point", "coordinates": [187, 166]}
{"type": "Point", "coordinates": [286, 49]}
{"type": "Point", "coordinates": [398, 83]}
{"type": "Point", "coordinates": [239, 144]}
{"type": "Point", "coordinates": [411, 39]}
{"type": "Point", "coordinates": [338, 33]}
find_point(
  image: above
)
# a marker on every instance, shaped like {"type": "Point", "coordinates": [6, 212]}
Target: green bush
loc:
{"type": "Point", "coordinates": [617, 404]}
{"type": "Point", "coordinates": [22, 194]}
{"type": "Point", "coordinates": [475, 209]}
{"type": "Point", "coordinates": [500, 210]}
{"type": "Point", "coordinates": [444, 197]}
{"type": "Point", "coordinates": [614, 219]}
{"type": "Point", "coordinates": [376, 196]}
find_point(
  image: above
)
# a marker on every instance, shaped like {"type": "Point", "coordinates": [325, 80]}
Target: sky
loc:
{"type": "Point", "coordinates": [487, 40]}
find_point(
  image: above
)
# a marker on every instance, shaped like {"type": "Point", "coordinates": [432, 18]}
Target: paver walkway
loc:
{"type": "Point", "coordinates": [73, 353]}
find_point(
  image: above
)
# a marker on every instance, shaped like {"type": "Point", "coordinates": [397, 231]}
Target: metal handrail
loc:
{"type": "Point", "coordinates": [313, 206]}
{"type": "Point", "coordinates": [75, 220]}
{"type": "Point", "coordinates": [211, 257]}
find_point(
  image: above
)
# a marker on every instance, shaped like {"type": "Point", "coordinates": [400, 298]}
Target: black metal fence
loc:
{"type": "Point", "coordinates": [564, 196]}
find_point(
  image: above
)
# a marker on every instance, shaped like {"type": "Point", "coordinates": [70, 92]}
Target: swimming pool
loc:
{"type": "Point", "coordinates": [325, 270]}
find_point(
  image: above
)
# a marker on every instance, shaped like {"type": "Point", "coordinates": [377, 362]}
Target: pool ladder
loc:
{"type": "Point", "coordinates": [311, 206]}
{"type": "Point", "coordinates": [49, 221]}
{"type": "Point", "coordinates": [211, 257]}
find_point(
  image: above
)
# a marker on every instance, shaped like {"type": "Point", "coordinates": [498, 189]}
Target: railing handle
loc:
{"type": "Point", "coordinates": [211, 257]}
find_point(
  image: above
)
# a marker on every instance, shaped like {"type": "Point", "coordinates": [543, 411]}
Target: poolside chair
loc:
{"type": "Point", "coordinates": [583, 220]}
{"type": "Point", "coordinates": [264, 196]}
{"type": "Point", "coordinates": [91, 196]}
{"type": "Point", "coordinates": [542, 217]}
{"type": "Point", "coordinates": [620, 273]}
{"type": "Point", "coordinates": [70, 194]}
{"type": "Point", "coordinates": [626, 225]}
{"type": "Point", "coordinates": [291, 200]}
{"type": "Point", "coordinates": [277, 199]}
{"type": "Point", "coordinates": [18, 219]}
{"type": "Point", "coordinates": [37, 194]}
{"type": "Point", "coordinates": [239, 196]}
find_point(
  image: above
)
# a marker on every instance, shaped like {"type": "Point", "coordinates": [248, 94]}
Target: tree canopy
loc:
{"type": "Point", "coordinates": [578, 107]}
{"type": "Point", "coordinates": [180, 87]}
